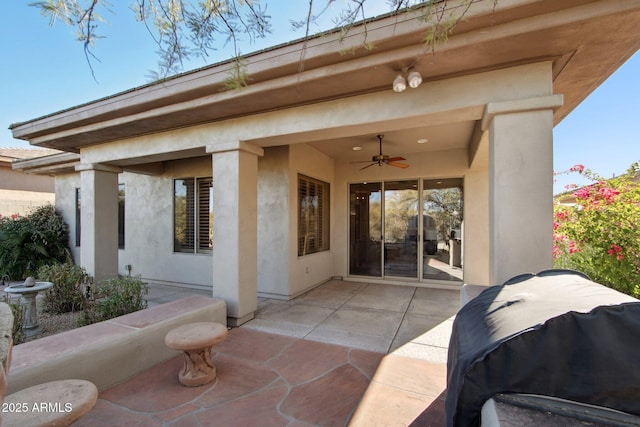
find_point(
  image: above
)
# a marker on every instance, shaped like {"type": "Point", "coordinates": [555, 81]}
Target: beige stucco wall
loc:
{"type": "Point", "coordinates": [149, 227]}
{"type": "Point", "coordinates": [148, 224]}
{"type": "Point", "coordinates": [16, 180]}
{"type": "Point", "coordinates": [313, 269]}
{"type": "Point", "coordinates": [280, 272]}
{"type": "Point", "coordinates": [273, 222]}
{"type": "Point", "coordinates": [66, 205]}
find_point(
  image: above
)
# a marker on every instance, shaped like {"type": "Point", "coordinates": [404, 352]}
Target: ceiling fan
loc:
{"type": "Point", "coordinates": [382, 159]}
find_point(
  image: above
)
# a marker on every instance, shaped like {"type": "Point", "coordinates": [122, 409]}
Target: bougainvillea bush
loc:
{"type": "Point", "coordinates": [596, 229]}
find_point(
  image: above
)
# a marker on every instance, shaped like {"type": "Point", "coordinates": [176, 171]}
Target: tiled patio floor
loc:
{"type": "Point", "coordinates": [306, 362]}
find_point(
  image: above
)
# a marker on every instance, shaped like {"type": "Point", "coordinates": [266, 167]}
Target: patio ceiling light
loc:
{"type": "Point", "coordinates": [399, 84]}
{"type": "Point", "coordinates": [414, 80]}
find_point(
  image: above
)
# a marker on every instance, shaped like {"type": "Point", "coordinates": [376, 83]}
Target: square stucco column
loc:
{"type": "Point", "coordinates": [520, 185]}
{"type": "Point", "coordinates": [235, 201]}
{"type": "Point", "coordinates": [99, 219]}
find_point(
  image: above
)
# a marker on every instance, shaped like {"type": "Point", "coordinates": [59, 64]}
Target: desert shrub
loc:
{"type": "Point", "coordinates": [69, 284]}
{"type": "Point", "coordinates": [115, 297]}
{"type": "Point", "coordinates": [29, 242]}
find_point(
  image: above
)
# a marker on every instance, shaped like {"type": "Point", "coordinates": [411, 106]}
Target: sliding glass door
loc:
{"type": "Point", "coordinates": [401, 229]}
{"type": "Point", "coordinates": [409, 229]}
{"type": "Point", "coordinates": [365, 228]}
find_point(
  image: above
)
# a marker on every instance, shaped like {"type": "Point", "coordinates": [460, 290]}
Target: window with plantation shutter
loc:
{"type": "Point", "coordinates": [205, 215]}
{"type": "Point", "coordinates": [313, 215]}
{"type": "Point", "coordinates": [78, 222]}
{"type": "Point", "coordinates": [192, 219]}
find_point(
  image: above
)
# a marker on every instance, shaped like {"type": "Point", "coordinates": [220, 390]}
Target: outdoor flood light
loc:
{"type": "Point", "coordinates": [399, 84]}
{"type": "Point", "coordinates": [415, 79]}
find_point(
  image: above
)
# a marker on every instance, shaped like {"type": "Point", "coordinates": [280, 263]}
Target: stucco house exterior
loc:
{"type": "Point", "coordinates": [264, 191]}
{"type": "Point", "coordinates": [20, 193]}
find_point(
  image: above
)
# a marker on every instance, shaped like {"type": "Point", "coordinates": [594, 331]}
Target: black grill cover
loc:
{"type": "Point", "coordinates": [555, 333]}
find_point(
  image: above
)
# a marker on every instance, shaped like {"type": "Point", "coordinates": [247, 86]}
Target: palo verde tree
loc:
{"type": "Point", "coordinates": [598, 231]}
{"type": "Point", "coordinates": [183, 29]}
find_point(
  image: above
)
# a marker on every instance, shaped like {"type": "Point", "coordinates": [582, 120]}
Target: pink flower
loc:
{"type": "Point", "coordinates": [617, 251]}
{"type": "Point", "coordinates": [582, 193]}
{"type": "Point", "coordinates": [577, 168]}
{"type": "Point", "coordinates": [573, 248]}
{"type": "Point", "coordinates": [608, 194]}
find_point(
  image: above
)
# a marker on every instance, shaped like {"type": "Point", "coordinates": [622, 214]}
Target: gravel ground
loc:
{"type": "Point", "coordinates": [52, 324]}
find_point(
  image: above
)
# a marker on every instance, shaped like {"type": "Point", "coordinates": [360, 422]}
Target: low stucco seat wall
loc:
{"type": "Point", "coordinates": [109, 352]}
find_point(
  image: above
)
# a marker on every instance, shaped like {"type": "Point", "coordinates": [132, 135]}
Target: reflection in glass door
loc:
{"type": "Point", "coordinates": [442, 229]}
{"type": "Point", "coordinates": [365, 229]}
{"type": "Point", "coordinates": [401, 229]}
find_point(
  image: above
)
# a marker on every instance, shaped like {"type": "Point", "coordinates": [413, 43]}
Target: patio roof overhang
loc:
{"type": "Point", "coordinates": [586, 41]}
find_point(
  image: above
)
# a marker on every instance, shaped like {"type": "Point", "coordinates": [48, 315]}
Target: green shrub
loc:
{"type": "Point", "coordinates": [17, 309]}
{"type": "Point", "coordinates": [69, 284]}
{"type": "Point", "coordinates": [115, 297]}
{"type": "Point", "coordinates": [18, 323]}
{"type": "Point", "coordinates": [29, 242]}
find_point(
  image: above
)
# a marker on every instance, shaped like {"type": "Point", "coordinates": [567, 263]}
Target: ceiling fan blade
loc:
{"type": "Point", "coordinates": [368, 166]}
{"type": "Point", "coordinates": [398, 165]}
{"type": "Point", "coordinates": [362, 161]}
{"type": "Point", "coordinates": [393, 159]}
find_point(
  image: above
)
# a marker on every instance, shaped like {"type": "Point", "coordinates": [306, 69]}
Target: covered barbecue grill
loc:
{"type": "Point", "coordinates": [556, 334]}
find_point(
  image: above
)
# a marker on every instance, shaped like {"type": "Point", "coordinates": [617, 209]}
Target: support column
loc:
{"type": "Point", "coordinates": [235, 195]}
{"type": "Point", "coordinates": [520, 185]}
{"type": "Point", "coordinates": [99, 219]}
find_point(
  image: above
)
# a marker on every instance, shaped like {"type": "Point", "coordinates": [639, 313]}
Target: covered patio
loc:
{"type": "Point", "coordinates": [343, 353]}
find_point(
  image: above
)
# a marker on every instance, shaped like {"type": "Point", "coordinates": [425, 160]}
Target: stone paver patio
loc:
{"type": "Point", "coordinates": [318, 360]}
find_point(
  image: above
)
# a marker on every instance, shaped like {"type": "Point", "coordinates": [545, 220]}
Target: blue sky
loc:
{"type": "Point", "coordinates": [44, 70]}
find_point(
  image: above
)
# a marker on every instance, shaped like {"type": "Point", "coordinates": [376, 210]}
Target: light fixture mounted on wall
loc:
{"type": "Point", "coordinates": [414, 79]}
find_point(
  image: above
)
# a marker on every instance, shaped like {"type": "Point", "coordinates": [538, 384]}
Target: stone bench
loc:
{"type": "Point", "coordinates": [57, 403]}
{"type": "Point", "coordinates": [196, 340]}
{"type": "Point", "coordinates": [109, 352]}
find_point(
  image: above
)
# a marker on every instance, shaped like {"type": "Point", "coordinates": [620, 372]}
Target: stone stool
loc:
{"type": "Point", "coordinates": [196, 340]}
{"type": "Point", "coordinates": [57, 403]}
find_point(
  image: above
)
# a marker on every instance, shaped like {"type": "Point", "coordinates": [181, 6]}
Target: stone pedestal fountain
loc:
{"type": "Point", "coordinates": [28, 291]}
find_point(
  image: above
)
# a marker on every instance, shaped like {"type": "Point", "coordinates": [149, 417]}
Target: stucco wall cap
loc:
{"type": "Point", "coordinates": [235, 146]}
{"type": "Point", "coordinates": [97, 167]}
{"type": "Point", "coordinates": [492, 109]}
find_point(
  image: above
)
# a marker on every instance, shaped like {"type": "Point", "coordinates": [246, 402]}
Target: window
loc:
{"type": "Point", "coordinates": [120, 216]}
{"type": "Point", "coordinates": [313, 215]}
{"type": "Point", "coordinates": [77, 217]}
{"type": "Point", "coordinates": [193, 215]}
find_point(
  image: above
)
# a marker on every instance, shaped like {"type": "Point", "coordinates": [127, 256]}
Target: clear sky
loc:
{"type": "Point", "coordinates": [44, 70]}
